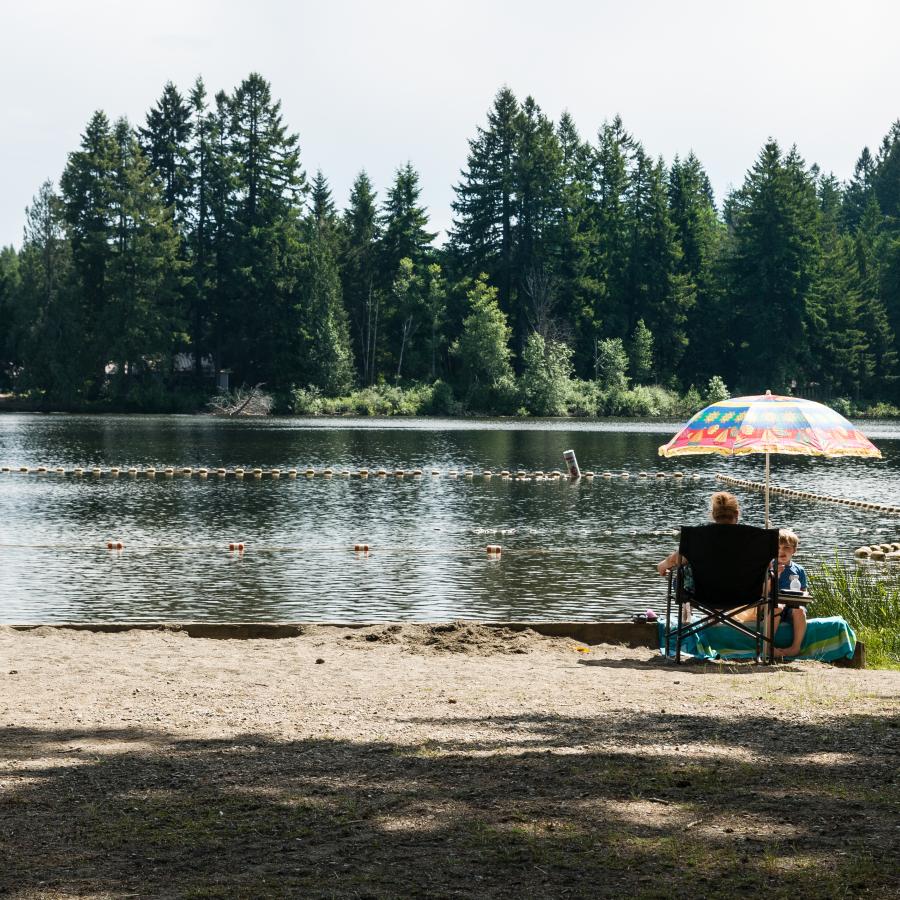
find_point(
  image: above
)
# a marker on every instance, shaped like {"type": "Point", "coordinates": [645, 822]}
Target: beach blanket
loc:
{"type": "Point", "coordinates": [826, 639]}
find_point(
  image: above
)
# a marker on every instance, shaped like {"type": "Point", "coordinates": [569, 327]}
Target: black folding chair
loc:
{"type": "Point", "coordinates": [731, 571]}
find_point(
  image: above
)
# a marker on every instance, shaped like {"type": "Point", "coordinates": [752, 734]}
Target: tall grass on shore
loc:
{"type": "Point", "coordinates": [868, 598]}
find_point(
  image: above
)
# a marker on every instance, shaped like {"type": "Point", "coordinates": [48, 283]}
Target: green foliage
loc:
{"type": "Point", "coordinates": [716, 390]}
{"type": "Point", "coordinates": [378, 400]}
{"type": "Point", "coordinates": [546, 377]}
{"type": "Point", "coordinates": [483, 347]}
{"type": "Point", "coordinates": [868, 598]}
{"type": "Point", "coordinates": [641, 353]}
{"type": "Point", "coordinates": [611, 363]}
{"type": "Point", "coordinates": [197, 239]}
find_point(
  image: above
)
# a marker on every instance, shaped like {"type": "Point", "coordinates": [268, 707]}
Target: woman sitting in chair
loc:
{"type": "Point", "coordinates": [723, 510]}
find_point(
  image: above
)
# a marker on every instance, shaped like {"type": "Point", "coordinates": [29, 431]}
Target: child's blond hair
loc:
{"type": "Point", "coordinates": [789, 538]}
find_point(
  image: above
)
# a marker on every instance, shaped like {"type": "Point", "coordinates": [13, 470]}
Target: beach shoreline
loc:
{"type": "Point", "coordinates": [434, 760]}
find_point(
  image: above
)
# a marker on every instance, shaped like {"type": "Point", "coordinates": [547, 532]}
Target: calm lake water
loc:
{"type": "Point", "coordinates": [572, 550]}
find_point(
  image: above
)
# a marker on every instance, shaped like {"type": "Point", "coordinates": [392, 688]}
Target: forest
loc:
{"type": "Point", "coordinates": [581, 276]}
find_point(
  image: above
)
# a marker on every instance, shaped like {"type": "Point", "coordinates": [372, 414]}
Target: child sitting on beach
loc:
{"type": "Point", "coordinates": [791, 576]}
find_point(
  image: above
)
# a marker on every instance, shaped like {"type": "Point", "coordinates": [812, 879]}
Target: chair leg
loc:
{"type": "Point", "coordinates": [678, 632]}
{"type": "Point", "coordinates": [759, 630]}
{"type": "Point", "coordinates": [668, 631]}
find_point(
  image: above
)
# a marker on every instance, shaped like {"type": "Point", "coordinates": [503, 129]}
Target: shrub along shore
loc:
{"type": "Point", "coordinates": [540, 394]}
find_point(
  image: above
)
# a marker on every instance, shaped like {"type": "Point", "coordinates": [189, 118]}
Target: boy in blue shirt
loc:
{"type": "Point", "coordinates": [791, 576]}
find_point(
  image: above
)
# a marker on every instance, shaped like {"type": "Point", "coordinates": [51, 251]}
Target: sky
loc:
{"type": "Point", "coordinates": [368, 84]}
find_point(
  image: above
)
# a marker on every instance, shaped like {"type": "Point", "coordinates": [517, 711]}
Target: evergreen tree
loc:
{"type": "Point", "coordinates": [9, 292]}
{"type": "Point", "coordinates": [656, 290]}
{"type": "Point", "coordinates": [858, 191]}
{"type": "Point", "coordinates": [886, 182]}
{"type": "Point", "coordinates": [839, 355]}
{"type": "Point", "coordinates": [165, 140]}
{"type": "Point", "coordinates": [486, 205]}
{"type": "Point", "coordinates": [773, 264]}
{"type": "Point", "coordinates": [642, 353]}
{"type": "Point", "coordinates": [143, 324]}
{"type": "Point", "coordinates": [611, 221]}
{"type": "Point", "coordinates": [45, 313]}
{"type": "Point", "coordinates": [702, 239]}
{"type": "Point", "coordinates": [327, 362]}
{"type": "Point", "coordinates": [403, 237]}
{"type": "Point", "coordinates": [87, 185]}
{"type": "Point", "coordinates": [435, 309]}
{"type": "Point", "coordinates": [220, 239]}
{"type": "Point", "coordinates": [359, 274]}
{"type": "Point", "coordinates": [577, 288]}
{"type": "Point", "coordinates": [404, 224]}
{"type": "Point", "coordinates": [199, 286]}
{"type": "Point", "coordinates": [877, 313]}
{"type": "Point", "coordinates": [261, 337]}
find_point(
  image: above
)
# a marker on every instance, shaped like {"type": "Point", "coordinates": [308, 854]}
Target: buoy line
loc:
{"type": "Point", "coordinates": [241, 473]}
{"type": "Point", "coordinates": [808, 495]}
{"type": "Point", "coordinates": [242, 547]}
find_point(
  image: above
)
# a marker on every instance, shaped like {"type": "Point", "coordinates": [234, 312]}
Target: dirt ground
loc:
{"type": "Point", "coordinates": [436, 761]}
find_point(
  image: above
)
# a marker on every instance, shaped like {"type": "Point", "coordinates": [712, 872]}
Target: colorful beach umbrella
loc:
{"type": "Point", "coordinates": [768, 423]}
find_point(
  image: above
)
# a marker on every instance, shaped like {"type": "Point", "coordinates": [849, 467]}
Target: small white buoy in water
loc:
{"type": "Point", "coordinates": [572, 464]}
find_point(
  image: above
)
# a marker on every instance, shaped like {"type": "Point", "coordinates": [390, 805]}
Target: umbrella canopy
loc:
{"type": "Point", "coordinates": [767, 423]}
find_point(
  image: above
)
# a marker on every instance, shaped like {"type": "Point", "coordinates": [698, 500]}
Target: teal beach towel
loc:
{"type": "Point", "coordinates": [826, 639]}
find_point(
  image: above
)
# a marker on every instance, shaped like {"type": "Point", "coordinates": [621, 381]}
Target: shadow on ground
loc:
{"type": "Point", "coordinates": [514, 806]}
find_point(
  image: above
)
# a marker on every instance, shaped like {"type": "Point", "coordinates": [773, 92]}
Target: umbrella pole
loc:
{"type": "Point", "coordinates": [767, 490]}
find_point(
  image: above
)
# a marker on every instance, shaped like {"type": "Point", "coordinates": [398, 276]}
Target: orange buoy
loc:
{"type": "Point", "coordinates": [494, 549]}
{"type": "Point", "coordinates": [115, 545]}
{"type": "Point", "coordinates": [361, 548]}
{"type": "Point", "coordinates": [237, 545]}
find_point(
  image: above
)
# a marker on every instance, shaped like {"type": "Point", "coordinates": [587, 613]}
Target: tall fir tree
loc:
{"type": "Point", "coordinates": [858, 191]}
{"type": "Point", "coordinates": [539, 188]}
{"type": "Point", "coordinates": [702, 238]}
{"type": "Point", "coordinates": [359, 274]}
{"type": "Point", "coordinates": [657, 293]}
{"type": "Point", "coordinates": [9, 292]}
{"type": "Point", "coordinates": [46, 315]}
{"type": "Point", "coordinates": [774, 259]}
{"type": "Point", "coordinates": [327, 360]}
{"type": "Point", "coordinates": [404, 236]}
{"type": "Point", "coordinates": [143, 325]}
{"type": "Point", "coordinates": [877, 312]}
{"type": "Point", "coordinates": [839, 361]}
{"type": "Point", "coordinates": [261, 336]}
{"type": "Point", "coordinates": [577, 286]}
{"type": "Point", "coordinates": [87, 187]}
{"type": "Point", "coordinates": [486, 205]}
{"type": "Point", "coordinates": [165, 140]}
{"type": "Point", "coordinates": [615, 149]}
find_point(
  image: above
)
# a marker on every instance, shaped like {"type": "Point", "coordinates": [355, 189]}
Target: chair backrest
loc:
{"type": "Point", "coordinates": [728, 562]}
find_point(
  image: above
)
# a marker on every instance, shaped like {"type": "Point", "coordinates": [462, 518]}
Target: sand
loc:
{"type": "Point", "coordinates": [436, 761]}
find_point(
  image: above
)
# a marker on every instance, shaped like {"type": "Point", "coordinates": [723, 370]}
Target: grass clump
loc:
{"type": "Point", "coordinates": [869, 599]}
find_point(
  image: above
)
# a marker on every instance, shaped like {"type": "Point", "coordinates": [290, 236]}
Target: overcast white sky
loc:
{"type": "Point", "coordinates": [374, 84]}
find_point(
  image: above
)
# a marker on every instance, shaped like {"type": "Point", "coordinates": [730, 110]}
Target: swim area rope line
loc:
{"type": "Point", "coordinates": [239, 473]}
{"type": "Point", "coordinates": [760, 487]}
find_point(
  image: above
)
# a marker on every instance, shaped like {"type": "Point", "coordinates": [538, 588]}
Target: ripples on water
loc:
{"type": "Point", "coordinates": [577, 550]}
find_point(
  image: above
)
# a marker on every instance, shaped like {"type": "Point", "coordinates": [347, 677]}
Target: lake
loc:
{"type": "Point", "coordinates": [571, 550]}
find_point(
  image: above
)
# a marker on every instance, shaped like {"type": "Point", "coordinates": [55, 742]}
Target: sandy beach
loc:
{"type": "Point", "coordinates": [436, 761]}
